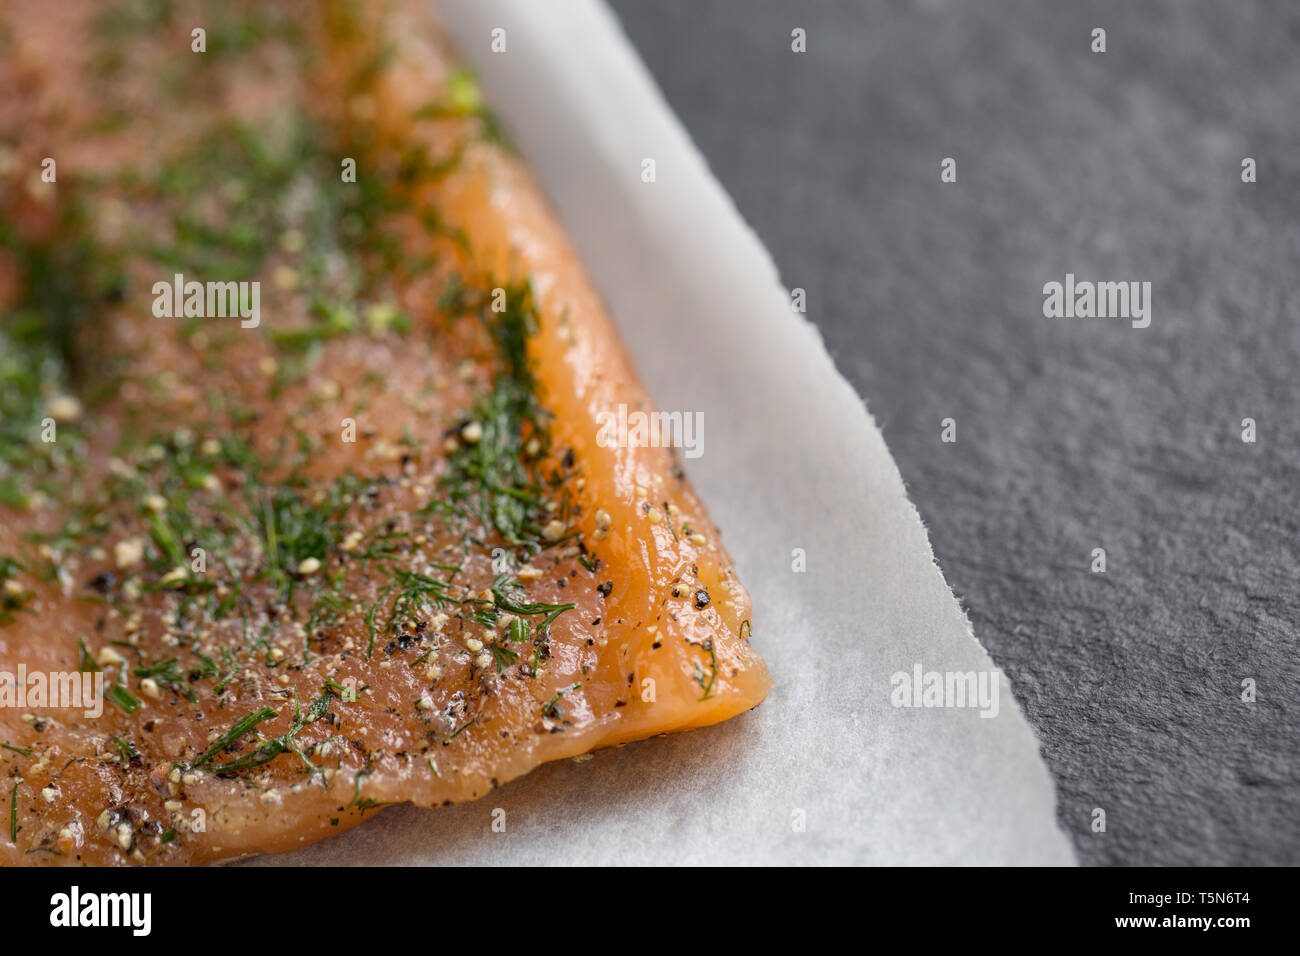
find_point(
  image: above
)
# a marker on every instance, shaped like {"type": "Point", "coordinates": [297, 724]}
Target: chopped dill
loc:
{"type": "Point", "coordinates": [237, 730]}
{"type": "Point", "coordinates": [343, 692]}
{"type": "Point", "coordinates": [463, 727]}
{"type": "Point", "coordinates": [503, 656]}
{"type": "Point", "coordinates": [707, 687]}
{"type": "Point", "coordinates": [553, 709]}
{"type": "Point", "coordinates": [268, 750]}
{"type": "Point", "coordinates": [668, 519]}
{"type": "Point", "coordinates": [123, 698]}
{"type": "Point", "coordinates": [85, 663]}
{"type": "Point", "coordinates": [505, 601]}
{"type": "Point", "coordinates": [361, 803]}
{"type": "Point", "coordinates": [126, 750]}
{"type": "Point", "coordinates": [11, 601]}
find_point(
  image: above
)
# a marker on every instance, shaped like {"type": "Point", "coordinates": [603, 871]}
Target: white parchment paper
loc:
{"type": "Point", "coordinates": [791, 460]}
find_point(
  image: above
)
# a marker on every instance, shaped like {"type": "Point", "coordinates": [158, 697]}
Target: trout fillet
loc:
{"type": "Point", "coordinates": [306, 506]}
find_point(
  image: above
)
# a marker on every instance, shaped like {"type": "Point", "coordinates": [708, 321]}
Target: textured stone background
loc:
{"type": "Point", "coordinates": [1072, 434]}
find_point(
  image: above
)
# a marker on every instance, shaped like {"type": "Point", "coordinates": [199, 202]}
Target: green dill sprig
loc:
{"type": "Point", "coordinates": [343, 693]}
{"type": "Point", "coordinates": [490, 482]}
{"type": "Point", "coordinates": [668, 519]}
{"type": "Point", "coordinates": [237, 730]}
{"type": "Point", "coordinates": [117, 693]}
{"type": "Point", "coordinates": [85, 663]}
{"type": "Point", "coordinates": [123, 698]}
{"type": "Point", "coordinates": [11, 601]}
{"type": "Point", "coordinates": [464, 100]}
{"type": "Point", "coordinates": [707, 687]}
{"type": "Point", "coordinates": [361, 803]}
{"type": "Point", "coordinates": [463, 727]}
{"type": "Point", "coordinates": [126, 750]}
{"type": "Point", "coordinates": [553, 708]}
{"type": "Point", "coordinates": [165, 673]}
{"type": "Point", "coordinates": [407, 595]}
{"type": "Point", "coordinates": [268, 750]}
{"type": "Point", "coordinates": [505, 601]}
{"type": "Point", "coordinates": [503, 656]}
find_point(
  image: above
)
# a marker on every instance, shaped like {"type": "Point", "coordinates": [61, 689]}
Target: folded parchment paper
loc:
{"type": "Point", "coordinates": [827, 770]}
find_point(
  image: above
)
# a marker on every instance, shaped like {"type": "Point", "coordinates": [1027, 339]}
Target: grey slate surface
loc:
{"type": "Point", "coordinates": [1072, 434]}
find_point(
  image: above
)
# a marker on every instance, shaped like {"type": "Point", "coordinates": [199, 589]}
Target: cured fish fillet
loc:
{"type": "Point", "coordinates": [301, 455]}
